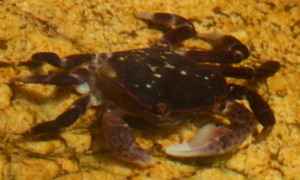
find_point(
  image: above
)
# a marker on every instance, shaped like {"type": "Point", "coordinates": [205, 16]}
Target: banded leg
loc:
{"type": "Point", "coordinates": [258, 105]}
{"type": "Point", "coordinates": [266, 69]}
{"type": "Point", "coordinates": [67, 62]}
{"type": "Point", "coordinates": [81, 77]}
{"type": "Point", "coordinates": [65, 119]}
{"type": "Point", "coordinates": [211, 140]}
{"type": "Point", "coordinates": [119, 137]}
{"type": "Point", "coordinates": [55, 79]}
{"type": "Point", "coordinates": [225, 49]}
{"type": "Point", "coordinates": [181, 28]}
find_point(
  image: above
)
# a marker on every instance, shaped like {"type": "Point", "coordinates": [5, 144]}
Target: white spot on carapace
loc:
{"type": "Point", "coordinates": [168, 52]}
{"type": "Point", "coordinates": [169, 66]}
{"type": "Point", "coordinates": [157, 75]}
{"type": "Point", "coordinates": [206, 78]}
{"type": "Point", "coordinates": [121, 58]}
{"type": "Point", "coordinates": [153, 68]}
{"type": "Point", "coordinates": [212, 75]}
{"type": "Point", "coordinates": [83, 88]}
{"type": "Point", "coordinates": [136, 85]}
{"type": "Point", "coordinates": [164, 57]}
{"type": "Point", "coordinates": [183, 72]}
{"type": "Point", "coordinates": [148, 86]}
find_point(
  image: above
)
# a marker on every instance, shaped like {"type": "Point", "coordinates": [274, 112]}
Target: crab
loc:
{"type": "Point", "coordinates": [163, 86]}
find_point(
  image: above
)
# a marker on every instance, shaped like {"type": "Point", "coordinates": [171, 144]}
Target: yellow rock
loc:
{"type": "Point", "coordinates": [270, 28]}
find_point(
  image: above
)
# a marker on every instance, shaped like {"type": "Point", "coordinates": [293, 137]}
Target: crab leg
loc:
{"type": "Point", "coordinates": [67, 62]}
{"type": "Point", "coordinates": [259, 107]}
{"type": "Point", "coordinates": [55, 79]}
{"type": "Point", "coordinates": [181, 28]}
{"type": "Point", "coordinates": [266, 69]}
{"type": "Point", "coordinates": [122, 141]}
{"type": "Point", "coordinates": [211, 139]}
{"type": "Point", "coordinates": [65, 119]}
{"type": "Point", "coordinates": [225, 49]}
{"type": "Point", "coordinates": [81, 77]}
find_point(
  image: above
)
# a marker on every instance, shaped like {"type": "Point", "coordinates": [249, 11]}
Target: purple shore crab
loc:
{"type": "Point", "coordinates": [163, 86]}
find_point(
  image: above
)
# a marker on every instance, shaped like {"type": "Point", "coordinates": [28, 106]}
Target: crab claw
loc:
{"type": "Point", "coordinates": [198, 146]}
{"type": "Point", "coordinates": [120, 138]}
{"type": "Point", "coordinates": [210, 140]}
{"type": "Point", "coordinates": [214, 140]}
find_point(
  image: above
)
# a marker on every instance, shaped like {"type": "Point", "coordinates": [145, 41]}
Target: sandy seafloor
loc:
{"type": "Point", "coordinates": [270, 28]}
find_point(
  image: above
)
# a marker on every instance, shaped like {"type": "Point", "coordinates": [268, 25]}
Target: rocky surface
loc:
{"type": "Point", "coordinates": [271, 29]}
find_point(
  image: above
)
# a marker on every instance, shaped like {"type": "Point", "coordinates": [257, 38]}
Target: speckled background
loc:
{"type": "Point", "coordinates": [270, 28]}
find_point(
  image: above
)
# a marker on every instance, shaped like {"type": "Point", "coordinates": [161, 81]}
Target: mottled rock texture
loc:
{"type": "Point", "coordinates": [270, 28]}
